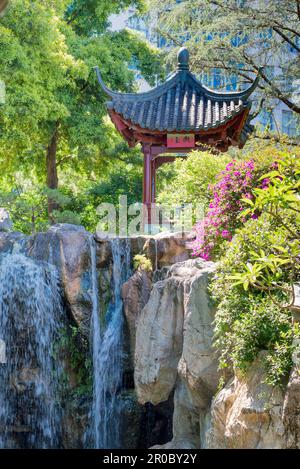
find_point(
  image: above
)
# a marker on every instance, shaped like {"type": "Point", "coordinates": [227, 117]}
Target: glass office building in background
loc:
{"type": "Point", "coordinates": [276, 118]}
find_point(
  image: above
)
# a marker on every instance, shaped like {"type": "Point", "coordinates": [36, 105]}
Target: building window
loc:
{"type": "Point", "coordinates": [287, 84]}
{"type": "Point", "coordinates": [161, 42]}
{"type": "Point", "coordinates": [265, 36]}
{"type": "Point", "coordinates": [206, 79]}
{"type": "Point", "coordinates": [290, 124]}
{"type": "Point", "coordinates": [232, 82]}
{"type": "Point", "coordinates": [239, 39]}
{"type": "Point", "coordinates": [217, 78]}
{"type": "Point", "coordinates": [267, 120]}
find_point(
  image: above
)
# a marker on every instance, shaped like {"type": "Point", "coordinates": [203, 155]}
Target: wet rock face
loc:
{"type": "Point", "coordinates": [67, 247]}
{"type": "Point", "coordinates": [174, 348]}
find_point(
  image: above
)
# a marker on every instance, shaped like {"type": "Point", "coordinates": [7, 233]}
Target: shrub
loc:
{"type": "Point", "coordinates": [231, 192]}
{"type": "Point", "coordinates": [140, 261]}
{"type": "Point", "coordinates": [192, 178]}
{"type": "Point", "coordinates": [234, 183]}
{"type": "Point", "coordinates": [277, 268]}
{"type": "Point", "coordinates": [247, 321]}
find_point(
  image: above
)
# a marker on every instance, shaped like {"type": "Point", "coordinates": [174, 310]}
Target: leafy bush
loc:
{"type": "Point", "coordinates": [191, 178]}
{"type": "Point", "coordinates": [247, 321]}
{"type": "Point", "coordinates": [278, 267]}
{"type": "Point", "coordinates": [255, 277]}
{"type": "Point", "coordinates": [27, 206]}
{"type": "Point", "coordinates": [234, 183]}
{"type": "Point", "coordinates": [140, 261]}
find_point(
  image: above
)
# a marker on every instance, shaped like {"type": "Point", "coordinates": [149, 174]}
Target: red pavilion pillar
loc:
{"type": "Point", "coordinates": [148, 183]}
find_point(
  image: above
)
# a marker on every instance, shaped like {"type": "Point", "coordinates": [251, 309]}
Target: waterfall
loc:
{"type": "Point", "coordinates": [31, 315]}
{"type": "Point", "coordinates": [108, 349]}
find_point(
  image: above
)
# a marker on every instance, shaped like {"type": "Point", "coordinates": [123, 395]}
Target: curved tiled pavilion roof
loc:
{"type": "Point", "coordinates": [176, 117]}
{"type": "Point", "coordinates": [181, 104]}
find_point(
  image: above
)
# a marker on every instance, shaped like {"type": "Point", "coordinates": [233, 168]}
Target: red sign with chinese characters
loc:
{"type": "Point", "coordinates": [181, 140]}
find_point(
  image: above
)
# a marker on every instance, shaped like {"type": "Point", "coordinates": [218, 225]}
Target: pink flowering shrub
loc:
{"type": "Point", "coordinates": [234, 183]}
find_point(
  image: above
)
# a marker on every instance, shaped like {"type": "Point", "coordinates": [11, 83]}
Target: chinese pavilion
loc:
{"type": "Point", "coordinates": [177, 117]}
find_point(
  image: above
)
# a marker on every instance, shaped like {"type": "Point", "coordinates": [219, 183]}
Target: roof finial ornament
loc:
{"type": "Point", "coordinates": [183, 59]}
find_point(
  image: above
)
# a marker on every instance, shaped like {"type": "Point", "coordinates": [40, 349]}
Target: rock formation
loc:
{"type": "Point", "coordinates": [174, 348]}
{"type": "Point", "coordinates": [174, 356]}
{"type": "Point", "coordinates": [135, 294]}
{"type": "Point", "coordinates": [247, 413]}
{"type": "Point", "coordinates": [170, 395]}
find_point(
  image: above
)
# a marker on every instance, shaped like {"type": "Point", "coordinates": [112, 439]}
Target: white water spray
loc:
{"type": "Point", "coordinates": [108, 349]}
{"type": "Point", "coordinates": [30, 318]}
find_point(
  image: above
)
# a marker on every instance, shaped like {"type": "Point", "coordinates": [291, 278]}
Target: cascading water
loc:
{"type": "Point", "coordinates": [31, 315]}
{"type": "Point", "coordinates": [108, 349]}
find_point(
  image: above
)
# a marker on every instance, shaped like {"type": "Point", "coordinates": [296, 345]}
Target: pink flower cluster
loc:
{"type": "Point", "coordinates": [234, 183]}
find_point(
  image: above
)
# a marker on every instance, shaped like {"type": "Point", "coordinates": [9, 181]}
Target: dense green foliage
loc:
{"type": "Point", "coordinates": [191, 178]}
{"type": "Point", "coordinates": [255, 277]}
{"type": "Point", "coordinates": [47, 53]}
{"type": "Point", "coordinates": [280, 201]}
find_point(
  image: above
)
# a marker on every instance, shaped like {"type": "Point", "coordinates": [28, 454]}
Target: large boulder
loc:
{"type": "Point", "coordinates": [174, 348]}
{"type": "Point", "coordinates": [159, 339]}
{"type": "Point", "coordinates": [247, 413]}
{"type": "Point", "coordinates": [165, 249]}
{"type": "Point", "coordinates": [68, 247]}
{"type": "Point", "coordinates": [135, 294]}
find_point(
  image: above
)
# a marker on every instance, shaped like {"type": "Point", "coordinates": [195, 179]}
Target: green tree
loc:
{"type": "Point", "coordinates": [192, 178]}
{"type": "Point", "coordinates": [53, 118]}
{"type": "Point", "coordinates": [238, 38]}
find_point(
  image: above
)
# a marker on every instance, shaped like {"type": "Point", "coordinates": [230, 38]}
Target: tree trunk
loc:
{"type": "Point", "coordinates": [3, 5]}
{"type": "Point", "coordinates": [52, 178]}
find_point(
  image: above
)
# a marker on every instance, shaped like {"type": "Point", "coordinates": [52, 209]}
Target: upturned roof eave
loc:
{"type": "Point", "coordinates": [227, 95]}
{"type": "Point", "coordinates": [179, 76]}
{"type": "Point", "coordinates": [145, 96]}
